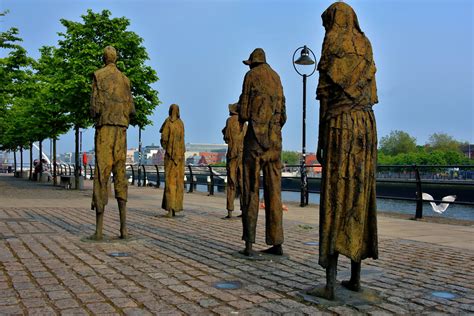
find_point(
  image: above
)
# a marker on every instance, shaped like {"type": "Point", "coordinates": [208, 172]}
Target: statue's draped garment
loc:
{"type": "Point", "coordinates": [172, 140]}
{"type": "Point", "coordinates": [347, 142]}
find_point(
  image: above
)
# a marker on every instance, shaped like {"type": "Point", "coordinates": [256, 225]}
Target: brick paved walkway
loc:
{"type": "Point", "coordinates": [46, 267]}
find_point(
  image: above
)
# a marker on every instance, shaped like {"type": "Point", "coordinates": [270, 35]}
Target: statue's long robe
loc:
{"type": "Point", "coordinates": [172, 140]}
{"type": "Point", "coordinates": [347, 139]}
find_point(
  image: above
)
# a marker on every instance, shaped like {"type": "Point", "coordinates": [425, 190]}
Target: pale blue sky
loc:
{"type": "Point", "coordinates": [423, 50]}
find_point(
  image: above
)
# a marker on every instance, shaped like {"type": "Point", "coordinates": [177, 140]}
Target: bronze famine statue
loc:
{"type": "Point", "coordinates": [262, 105]}
{"type": "Point", "coordinates": [234, 132]}
{"type": "Point", "coordinates": [172, 140]}
{"type": "Point", "coordinates": [347, 147]}
{"type": "Point", "coordinates": [111, 107]}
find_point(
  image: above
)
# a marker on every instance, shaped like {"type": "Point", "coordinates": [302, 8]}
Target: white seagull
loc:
{"type": "Point", "coordinates": [441, 207]}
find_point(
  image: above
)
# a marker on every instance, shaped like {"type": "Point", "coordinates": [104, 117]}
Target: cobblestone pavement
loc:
{"type": "Point", "coordinates": [173, 265]}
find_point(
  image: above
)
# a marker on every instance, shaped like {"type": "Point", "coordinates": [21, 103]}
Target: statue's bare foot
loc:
{"type": "Point", "coordinates": [350, 285]}
{"type": "Point", "coordinates": [274, 250]}
{"type": "Point", "coordinates": [323, 292]}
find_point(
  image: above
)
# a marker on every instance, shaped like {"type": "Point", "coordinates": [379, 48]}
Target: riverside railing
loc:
{"type": "Point", "coordinates": [394, 182]}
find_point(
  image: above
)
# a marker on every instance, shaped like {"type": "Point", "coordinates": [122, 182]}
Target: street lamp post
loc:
{"type": "Point", "coordinates": [304, 60]}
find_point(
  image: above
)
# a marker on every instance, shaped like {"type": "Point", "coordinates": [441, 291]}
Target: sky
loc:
{"type": "Point", "coordinates": [423, 50]}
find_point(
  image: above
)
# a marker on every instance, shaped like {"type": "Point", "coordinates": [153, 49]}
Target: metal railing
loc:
{"type": "Point", "coordinates": [394, 182]}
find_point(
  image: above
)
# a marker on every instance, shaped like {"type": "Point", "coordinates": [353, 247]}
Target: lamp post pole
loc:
{"type": "Point", "coordinates": [304, 176]}
{"type": "Point", "coordinates": [304, 60]}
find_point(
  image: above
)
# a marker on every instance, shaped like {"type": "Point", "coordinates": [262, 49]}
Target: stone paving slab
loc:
{"type": "Point", "coordinates": [47, 267]}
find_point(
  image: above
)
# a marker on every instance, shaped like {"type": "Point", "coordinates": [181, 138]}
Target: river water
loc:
{"type": "Point", "coordinates": [395, 206]}
{"type": "Point", "coordinates": [463, 212]}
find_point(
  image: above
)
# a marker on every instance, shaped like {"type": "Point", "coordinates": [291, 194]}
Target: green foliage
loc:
{"type": "Point", "coordinates": [290, 157]}
{"type": "Point", "coordinates": [424, 157]}
{"type": "Point", "coordinates": [15, 78]}
{"type": "Point", "coordinates": [443, 142]}
{"type": "Point", "coordinates": [399, 148]}
{"type": "Point", "coordinates": [80, 53]}
{"type": "Point", "coordinates": [52, 115]}
{"type": "Point", "coordinates": [397, 142]}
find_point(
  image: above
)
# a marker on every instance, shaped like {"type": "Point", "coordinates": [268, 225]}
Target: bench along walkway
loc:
{"type": "Point", "coordinates": [177, 266]}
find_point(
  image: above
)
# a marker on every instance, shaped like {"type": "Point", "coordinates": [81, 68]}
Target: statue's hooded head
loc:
{"type": "Point", "coordinates": [340, 15]}
{"type": "Point", "coordinates": [174, 112]}
{"type": "Point", "coordinates": [110, 55]}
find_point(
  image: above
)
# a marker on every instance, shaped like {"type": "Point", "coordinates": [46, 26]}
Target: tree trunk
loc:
{"type": "Point", "coordinates": [40, 158]}
{"type": "Point", "coordinates": [21, 161]}
{"type": "Point", "coordinates": [40, 150]}
{"type": "Point", "coordinates": [14, 162]}
{"type": "Point", "coordinates": [55, 180]}
{"type": "Point", "coordinates": [76, 158]}
{"type": "Point", "coordinates": [30, 177]}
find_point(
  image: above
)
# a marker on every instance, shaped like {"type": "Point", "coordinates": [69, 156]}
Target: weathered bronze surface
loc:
{"type": "Point", "coordinates": [234, 132]}
{"type": "Point", "coordinates": [172, 140]}
{"type": "Point", "coordinates": [262, 105]}
{"type": "Point", "coordinates": [347, 147]}
{"type": "Point", "coordinates": [111, 107]}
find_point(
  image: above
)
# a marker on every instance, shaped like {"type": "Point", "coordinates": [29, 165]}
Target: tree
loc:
{"type": "Point", "coordinates": [397, 142]}
{"type": "Point", "coordinates": [55, 119]}
{"type": "Point", "coordinates": [290, 157]}
{"type": "Point", "coordinates": [80, 54]}
{"type": "Point", "coordinates": [15, 74]}
{"type": "Point", "coordinates": [443, 142]}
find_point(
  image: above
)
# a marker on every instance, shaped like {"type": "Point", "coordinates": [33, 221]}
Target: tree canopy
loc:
{"type": "Point", "coordinates": [397, 142]}
{"type": "Point", "coordinates": [79, 54]}
{"type": "Point", "coordinates": [15, 78]}
{"type": "Point", "coordinates": [443, 142]}
{"type": "Point", "coordinates": [399, 148]}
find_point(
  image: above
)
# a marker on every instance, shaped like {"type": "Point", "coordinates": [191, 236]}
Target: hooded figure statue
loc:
{"type": "Point", "coordinates": [111, 108]}
{"type": "Point", "coordinates": [172, 141]}
{"type": "Point", "coordinates": [347, 147]}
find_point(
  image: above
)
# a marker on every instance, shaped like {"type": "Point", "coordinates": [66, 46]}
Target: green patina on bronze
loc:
{"type": "Point", "coordinates": [262, 105]}
{"type": "Point", "coordinates": [172, 140]}
{"type": "Point", "coordinates": [111, 107]}
{"type": "Point", "coordinates": [347, 146]}
{"type": "Point", "coordinates": [234, 132]}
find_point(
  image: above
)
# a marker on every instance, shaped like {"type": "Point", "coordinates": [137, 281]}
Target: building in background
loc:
{"type": "Point", "coordinates": [131, 156]}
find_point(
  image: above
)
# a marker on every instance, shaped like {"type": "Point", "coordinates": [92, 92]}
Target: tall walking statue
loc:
{"type": "Point", "coordinates": [234, 132]}
{"type": "Point", "coordinates": [111, 107]}
{"type": "Point", "coordinates": [262, 105]}
{"type": "Point", "coordinates": [172, 140]}
{"type": "Point", "coordinates": [347, 147]}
